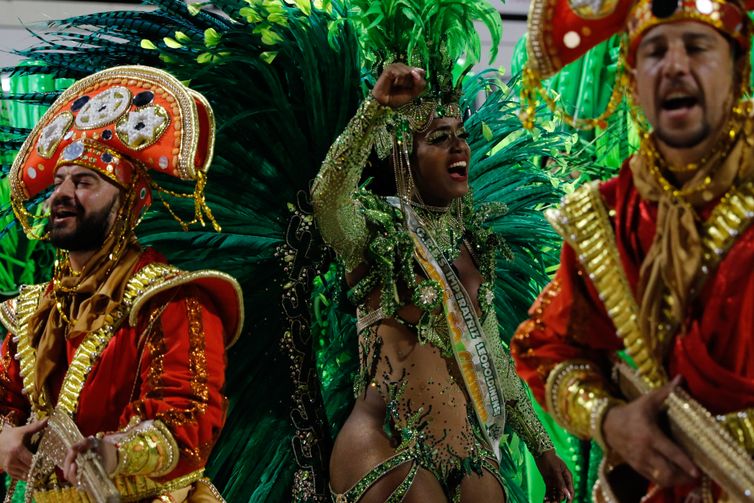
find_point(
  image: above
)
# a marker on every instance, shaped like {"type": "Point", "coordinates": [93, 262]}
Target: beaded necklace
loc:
{"type": "Point", "coordinates": [445, 227]}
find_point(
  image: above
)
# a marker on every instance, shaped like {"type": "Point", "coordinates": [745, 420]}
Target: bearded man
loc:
{"type": "Point", "coordinates": [122, 345]}
{"type": "Point", "coordinates": [648, 320]}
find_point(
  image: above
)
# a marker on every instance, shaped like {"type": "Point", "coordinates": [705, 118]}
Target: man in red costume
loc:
{"type": "Point", "coordinates": [128, 347]}
{"type": "Point", "coordinates": [652, 307]}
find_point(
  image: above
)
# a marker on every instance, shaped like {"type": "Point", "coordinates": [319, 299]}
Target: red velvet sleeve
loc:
{"type": "Point", "coordinates": [182, 373]}
{"type": "Point", "coordinates": [566, 322]}
{"type": "Point", "coordinates": [14, 407]}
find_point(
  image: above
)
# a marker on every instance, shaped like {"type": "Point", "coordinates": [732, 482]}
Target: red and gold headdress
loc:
{"type": "Point", "coordinates": [121, 122]}
{"type": "Point", "coordinates": [560, 31]}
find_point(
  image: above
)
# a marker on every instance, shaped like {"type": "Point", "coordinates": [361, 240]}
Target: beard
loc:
{"type": "Point", "coordinates": [685, 141]}
{"type": "Point", "coordinates": [89, 233]}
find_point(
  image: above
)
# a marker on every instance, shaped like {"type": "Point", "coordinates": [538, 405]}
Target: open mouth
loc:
{"type": "Point", "coordinates": [458, 170]}
{"type": "Point", "coordinates": [62, 214]}
{"type": "Point", "coordinates": [679, 102]}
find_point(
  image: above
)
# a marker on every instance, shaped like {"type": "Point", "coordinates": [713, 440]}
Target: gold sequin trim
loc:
{"type": "Point", "coordinates": [197, 367]}
{"type": "Point", "coordinates": [94, 343]}
{"type": "Point", "coordinates": [86, 354]}
{"type": "Point", "coordinates": [583, 222]}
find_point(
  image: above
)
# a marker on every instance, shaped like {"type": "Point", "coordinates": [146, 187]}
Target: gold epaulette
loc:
{"type": "Point", "coordinates": [583, 222]}
{"type": "Point", "coordinates": [224, 290]}
{"type": "Point", "coordinates": [25, 305]}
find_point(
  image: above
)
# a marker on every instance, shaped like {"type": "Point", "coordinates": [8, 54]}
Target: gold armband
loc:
{"type": "Point", "coordinates": [578, 399]}
{"type": "Point", "coordinates": [147, 448]}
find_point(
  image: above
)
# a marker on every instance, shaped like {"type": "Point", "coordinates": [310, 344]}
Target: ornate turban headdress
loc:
{"type": "Point", "coordinates": [124, 123]}
{"type": "Point", "coordinates": [560, 31]}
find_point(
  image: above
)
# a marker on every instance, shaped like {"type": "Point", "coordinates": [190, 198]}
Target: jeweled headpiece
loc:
{"type": "Point", "coordinates": [122, 122]}
{"type": "Point", "coordinates": [436, 36]}
{"type": "Point", "coordinates": [560, 31]}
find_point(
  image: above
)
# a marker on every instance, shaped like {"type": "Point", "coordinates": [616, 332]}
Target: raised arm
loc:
{"type": "Point", "coordinates": [342, 225]}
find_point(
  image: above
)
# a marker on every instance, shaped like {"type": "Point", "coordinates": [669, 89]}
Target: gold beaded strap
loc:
{"type": "Point", "coordinates": [583, 222]}
{"type": "Point", "coordinates": [705, 438]}
{"type": "Point", "coordinates": [711, 448]}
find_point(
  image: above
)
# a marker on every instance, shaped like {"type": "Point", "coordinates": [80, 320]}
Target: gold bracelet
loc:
{"type": "Point", "coordinates": [147, 448]}
{"type": "Point", "coordinates": [575, 394]}
{"type": "Point", "coordinates": [597, 418]}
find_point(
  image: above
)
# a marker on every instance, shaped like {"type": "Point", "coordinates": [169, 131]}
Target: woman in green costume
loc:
{"type": "Point", "coordinates": [435, 385]}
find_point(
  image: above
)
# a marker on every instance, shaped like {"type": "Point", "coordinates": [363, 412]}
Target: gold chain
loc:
{"type": "Point", "coordinates": [531, 86]}
{"type": "Point", "coordinates": [655, 161]}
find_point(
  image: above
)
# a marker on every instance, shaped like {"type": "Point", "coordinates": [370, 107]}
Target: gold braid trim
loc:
{"type": "Point", "coordinates": [134, 488]}
{"type": "Point", "coordinates": [578, 399]}
{"type": "Point", "coordinates": [26, 304]}
{"type": "Point", "coordinates": [729, 219]}
{"type": "Point", "coordinates": [8, 315]}
{"type": "Point", "coordinates": [86, 354]}
{"type": "Point", "coordinates": [583, 222]}
{"type": "Point", "coordinates": [147, 448]}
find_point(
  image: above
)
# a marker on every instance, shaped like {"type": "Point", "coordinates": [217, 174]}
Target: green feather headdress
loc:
{"type": "Point", "coordinates": [438, 36]}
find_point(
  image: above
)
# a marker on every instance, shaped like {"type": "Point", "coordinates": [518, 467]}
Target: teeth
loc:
{"type": "Point", "coordinates": [677, 95]}
{"type": "Point", "coordinates": [459, 164]}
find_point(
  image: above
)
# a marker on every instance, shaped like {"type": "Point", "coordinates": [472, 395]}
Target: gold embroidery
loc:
{"type": "Point", "coordinates": [198, 367]}
{"type": "Point", "coordinates": [94, 343]}
{"type": "Point", "coordinates": [157, 350]}
{"type": "Point", "coordinates": [197, 455]}
{"type": "Point", "coordinates": [583, 222]}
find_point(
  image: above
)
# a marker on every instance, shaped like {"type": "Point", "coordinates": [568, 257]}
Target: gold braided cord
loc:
{"type": "Point", "coordinates": [201, 209]}
{"type": "Point", "coordinates": [25, 218]}
{"type": "Point", "coordinates": [531, 88]}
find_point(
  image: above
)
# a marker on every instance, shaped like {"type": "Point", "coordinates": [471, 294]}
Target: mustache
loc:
{"type": "Point", "coordinates": [677, 85]}
{"type": "Point", "coordinates": [66, 205]}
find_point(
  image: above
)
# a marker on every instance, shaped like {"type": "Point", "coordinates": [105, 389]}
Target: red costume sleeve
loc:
{"type": "Point", "coordinates": [14, 407]}
{"type": "Point", "coordinates": [181, 375]}
{"type": "Point", "coordinates": [567, 322]}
